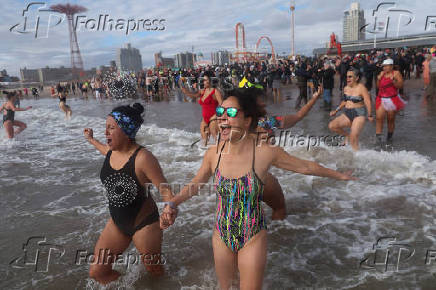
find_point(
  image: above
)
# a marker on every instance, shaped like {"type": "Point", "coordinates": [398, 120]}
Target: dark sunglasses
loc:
{"type": "Point", "coordinates": [231, 112]}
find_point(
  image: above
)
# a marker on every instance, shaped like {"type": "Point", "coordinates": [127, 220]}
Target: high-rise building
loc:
{"type": "Point", "coordinates": [129, 59]}
{"type": "Point", "coordinates": [185, 60]}
{"type": "Point", "coordinates": [161, 61]}
{"type": "Point", "coordinates": [221, 57]}
{"type": "Point", "coordinates": [354, 19]}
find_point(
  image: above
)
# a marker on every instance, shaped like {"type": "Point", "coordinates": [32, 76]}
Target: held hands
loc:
{"type": "Point", "coordinates": [370, 118]}
{"type": "Point", "coordinates": [168, 217]}
{"type": "Point", "coordinates": [89, 134]}
{"type": "Point", "coordinates": [333, 113]}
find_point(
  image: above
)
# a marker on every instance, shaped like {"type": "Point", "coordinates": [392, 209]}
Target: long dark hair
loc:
{"type": "Point", "coordinates": [209, 75]}
{"type": "Point", "coordinates": [247, 99]}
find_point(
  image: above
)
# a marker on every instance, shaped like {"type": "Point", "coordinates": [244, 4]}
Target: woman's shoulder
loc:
{"type": "Point", "coordinates": [143, 154]}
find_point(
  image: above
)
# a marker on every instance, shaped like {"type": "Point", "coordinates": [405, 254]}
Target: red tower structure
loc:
{"type": "Point", "coordinates": [335, 44]}
{"type": "Point", "coordinates": [76, 58]}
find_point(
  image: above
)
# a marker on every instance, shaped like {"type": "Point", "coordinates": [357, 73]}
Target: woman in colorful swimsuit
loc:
{"type": "Point", "coordinates": [239, 168]}
{"type": "Point", "coordinates": [209, 98]}
{"type": "Point", "coordinates": [388, 101]}
{"type": "Point", "coordinates": [357, 103]}
{"type": "Point", "coordinates": [128, 167]}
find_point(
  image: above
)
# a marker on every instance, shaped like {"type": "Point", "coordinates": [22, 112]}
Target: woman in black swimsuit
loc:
{"type": "Point", "coordinates": [62, 95]}
{"type": "Point", "coordinates": [9, 114]}
{"type": "Point", "coordinates": [134, 214]}
{"type": "Point", "coordinates": [357, 103]}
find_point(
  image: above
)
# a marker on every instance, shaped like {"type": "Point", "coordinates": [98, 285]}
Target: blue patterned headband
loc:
{"type": "Point", "coordinates": [127, 124]}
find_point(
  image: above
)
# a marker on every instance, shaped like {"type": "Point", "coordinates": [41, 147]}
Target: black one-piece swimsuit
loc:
{"type": "Point", "coordinates": [127, 196]}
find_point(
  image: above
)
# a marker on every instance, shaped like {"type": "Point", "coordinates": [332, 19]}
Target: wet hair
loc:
{"type": "Point", "coordinates": [247, 100]}
{"type": "Point", "coordinates": [356, 73]}
{"type": "Point", "coordinates": [134, 112]}
{"type": "Point", "coordinates": [10, 95]}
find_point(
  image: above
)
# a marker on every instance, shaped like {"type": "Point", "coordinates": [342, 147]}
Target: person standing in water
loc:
{"type": "Point", "coordinates": [239, 238]}
{"type": "Point", "coordinates": [431, 88]}
{"type": "Point", "coordinates": [388, 101]}
{"type": "Point", "coordinates": [426, 71]}
{"type": "Point", "coordinates": [127, 168]}
{"type": "Point", "coordinates": [62, 95]}
{"type": "Point", "coordinates": [209, 98]}
{"type": "Point", "coordinates": [357, 103]}
{"type": "Point", "coordinates": [9, 121]}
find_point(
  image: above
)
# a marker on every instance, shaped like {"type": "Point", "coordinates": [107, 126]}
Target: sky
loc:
{"type": "Point", "coordinates": [206, 26]}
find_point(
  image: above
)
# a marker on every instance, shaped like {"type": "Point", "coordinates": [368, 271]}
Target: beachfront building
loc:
{"type": "Point", "coordinates": [129, 59]}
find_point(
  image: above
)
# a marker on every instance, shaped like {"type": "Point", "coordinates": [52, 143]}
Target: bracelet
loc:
{"type": "Point", "coordinates": [171, 204]}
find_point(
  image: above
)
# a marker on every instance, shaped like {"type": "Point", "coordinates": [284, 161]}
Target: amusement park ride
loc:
{"type": "Point", "coordinates": [243, 55]}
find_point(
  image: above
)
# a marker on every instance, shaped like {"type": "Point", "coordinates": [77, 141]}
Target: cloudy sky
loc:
{"type": "Point", "coordinates": [206, 25]}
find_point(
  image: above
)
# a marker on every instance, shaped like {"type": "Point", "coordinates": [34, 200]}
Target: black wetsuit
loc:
{"type": "Point", "coordinates": [63, 99]}
{"type": "Point", "coordinates": [10, 114]}
{"type": "Point", "coordinates": [130, 207]}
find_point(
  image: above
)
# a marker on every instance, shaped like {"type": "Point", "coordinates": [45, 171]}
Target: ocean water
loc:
{"type": "Point", "coordinates": [374, 233]}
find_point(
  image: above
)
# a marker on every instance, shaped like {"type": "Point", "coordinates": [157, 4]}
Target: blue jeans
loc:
{"type": "Point", "coordinates": [327, 95]}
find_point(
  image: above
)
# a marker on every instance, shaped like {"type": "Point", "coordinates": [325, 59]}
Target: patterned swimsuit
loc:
{"type": "Point", "coordinates": [239, 214]}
